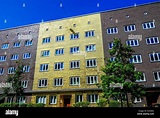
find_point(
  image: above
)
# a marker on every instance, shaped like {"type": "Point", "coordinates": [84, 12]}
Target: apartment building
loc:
{"type": "Point", "coordinates": [68, 61]}
{"type": "Point", "coordinates": [139, 27]}
{"type": "Point", "coordinates": [19, 44]}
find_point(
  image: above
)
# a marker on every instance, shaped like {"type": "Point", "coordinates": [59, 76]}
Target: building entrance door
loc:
{"type": "Point", "coordinates": [65, 100]}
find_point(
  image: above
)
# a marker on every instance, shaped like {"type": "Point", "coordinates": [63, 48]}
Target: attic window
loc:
{"type": "Point", "coordinates": [127, 16]}
{"type": "Point", "coordinates": [111, 18]}
{"type": "Point", "coordinates": [7, 36]}
{"type": "Point", "coordinates": [89, 22]}
{"type": "Point", "coordinates": [29, 32]}
{"type": "Point", "coordinates": [60, 27]}
{"type": "Point", "coordinates": [18, 34]}
{"type": "Point", "coordinates": [47, 29]}
{"type": "Point", "coordinates": [74, 25]}
{"type": "Point", "coordinates": [145, 13]}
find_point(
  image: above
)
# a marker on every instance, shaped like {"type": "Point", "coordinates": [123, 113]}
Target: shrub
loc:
{"type": "Point", "coordinates": [39, 105]}
{"type": "Point", "coordinates": [81, 104]}
{"type": "Point", "coordinates": [30, 105]}
{"type": "Point", "coordinates": [102, 103]}
{"type": "Point", "coordinates": [114, 103]}
{"type": "Point", "coordinates": [5, 105]}
{"type": "Point", "coordinates": [23, 105]}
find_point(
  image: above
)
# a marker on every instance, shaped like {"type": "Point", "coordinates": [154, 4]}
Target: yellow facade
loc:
{"type": "Point", "coordinates": [67, 27]}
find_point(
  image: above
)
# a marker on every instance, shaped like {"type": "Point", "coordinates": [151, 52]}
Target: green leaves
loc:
{"type": "Point", "coordinates": [121, 71]}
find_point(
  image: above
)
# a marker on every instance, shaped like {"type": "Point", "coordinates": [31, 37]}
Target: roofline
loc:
{"type": "Point", "coordinates": [82, 15]}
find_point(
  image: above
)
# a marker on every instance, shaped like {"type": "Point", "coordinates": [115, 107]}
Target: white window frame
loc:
{"type": "Point", "coordinates": [21, 99]}
{"type": "Point", "coordinates": [136, 59]}
{"type": "Point", "coordinates": [16, 44]}
{"type": "Point", "coordinates": [59, 66]}
{"type": "Point", "coordinates": [44, 67]}
{"type": "Point", "coordinates": [9, 99]}
{"type": "Point", "coordinates": [26, 55]}
{"type": "Point", "coordinates": [1, 71]}
{"type": "Point", "coordinates": [78, 98]}
{"type": "Point", "coordinates": [148, 25]}
{"type": "Point", "coordinates": [92, 79]}
{"type": "Point", "coordinates": [129, 28]}
{"type": "Point", "coordinates": [11, 70]}
{"type": "Point", "coordinates": [110, 45]}
{"type": "Point", "coordinates": [112, 59]}
{"type": "Point", "coordinates": [74, 49]}
{"type": "Point", "coordinates": [74, 36]}
{"type": "Point", "coordinates": [112, 30]}
{"type": "Point", "coordinates": [26, 68]}
{"type": "Point", "coordinates": [41, 99]}
{"type": "Point", "coordinates": [3, 58]}
{"type": "Point", "coordinates": [45, 53]}
{"type": "Point", "coordinates": [136, 100]}
{"type": "Point", "coordinates": [90, 33]}
{"type": "Point", "coordinates": [93, 98]}
{"type": "Point", "coordinates": [132, 42]}
{"type": "Point", "coordinates": [155, 54]}
{"type": "Point", "coordinates": [57, 82]}
{"type": "Point", "coordinates": [14, 56]}
{"type": "Point", "coordinates": [24, 83]}
{"type": "Point", "coordinates": [152, 40]}
{"type": "Point", "coordinates": [91, 47]}
{"type": "Point", "coordinates": [59, 51]}
{"type": "Point", "coordinates": [74, 64]}
{"type": "Point", "coordinates": [74, 80]}
{"type": "Point", "coordinates": [28, 42]}
{"type": "Point", "coordinates": [53, 99]}
{"type": "Point", "coordinates": [5, 46]}
{"type": "Point", "coordinates": [59, 38]}
{"type": "Point", "coordinates": [46, 40]}
{"type": "Point", "coordinates": [42, 83]}
{"type": "Point", "coordinates": [158, 75]}
{"type": "Point", "coordinates": [91, 63]}
{"type": "Point", "coordinates": [142, 80]}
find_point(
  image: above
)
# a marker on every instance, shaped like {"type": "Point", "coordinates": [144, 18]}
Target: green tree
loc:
{"type": "Point", "coordinates": [16, 89]}
{"type": "Point", "coordinates": [121, 72]}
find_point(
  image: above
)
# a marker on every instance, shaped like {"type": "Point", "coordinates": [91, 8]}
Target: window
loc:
{"type": "Point", "coordinates": [74, 49]}
{"type": "Point", "coordinates": [110, 45]}
{"type": "Point", "coordinates": [112, 30]}
{"type": "Point", "coordinates": [16, 44]}
{"type": "Point", "coordinates": [148, 25]}
{"type": "Point", "coordinates": [26, 68]}
{"type": "Point", "coordinates": [43, 67]}
{"type": "Point", "coordinates": [41, 99]}
{"type": "Point", "coordinates": [74, 64]}
{"type": "Point", "coordinates": [136, 59]}
{"type": "Point", "coordinates": [42, 83]}
{"type": "Point", "coordinates": [142, 79]}
{"type": "Point", "coordinates": [28, 42]}
{"type": "Point", "coordinates": [60, 38]}
{"type": "Point", "coordinates": [91, 63]}
{"type": "Point", "coordinates": [26, 55]}
{"type": "Point", "coordinates": [74, 80]}
{"type": "Point", "coordinates": [11, 70]}
{"type": "Point", "coordinates": [129, 28]}
{"type": "Point", "coordinates": [45, 53]}
{"type": "Point", "coordinates": [59, 51]}
{"type": "Point", "coordinates": [14, 57]}
{"type": "Point", "coordinates": [59, 66]}
{"type": "Point", "coordinates": [53, 100]}
{"type": "Point", "coordinates": [152, 40]}
{"type": "Point", "coordinates": [89, 33]}
{"type": "Point", "coordinates": [154, 57]}
{"type": "Point", "coordinates": [3, 58]}
{"type": "Point", "coordinates": [1, 71]}
{"type": "Point", "coordinates": [58, 82]}
{"type": "Point", "coordinates": [5, 46]}
{"type": "Point", "coordinates": [24, 83]}
{"type": "Point", "coordinates": [93, 98]}
{"type": "Point", "coordinates": [91, 47]}
{"type": "Point", "coordinates": [92, 79]}
{"type": "Point", "coordinates": [132, 42]}
{"type": "Point", "coordinates": [137, 100]}
{"type": "Point", "coordinates": [46, 40]}
{"type": "Point", "coordinates": [9, 99]}
{"type": "Point", "coordinates": [78, 98]}
{"type": "Point", "coordinates": [74, 36]}
{"type": "Point", "coordinates": [112, 59]}
{"type": "Point", "coordinates": [21, 99]}
{"type": "Point", "coordinates": [156, 76]}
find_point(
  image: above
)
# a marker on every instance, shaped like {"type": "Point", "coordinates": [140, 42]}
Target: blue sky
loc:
{"type": "Point", "coordinates": [15, 13]}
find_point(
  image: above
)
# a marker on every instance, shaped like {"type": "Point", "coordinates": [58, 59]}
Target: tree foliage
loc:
{"type": "Point", "coordinates": [15, 80]}
{"type": "Point", "coordinates": [121, 71]}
